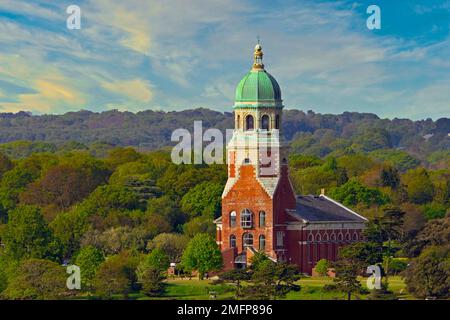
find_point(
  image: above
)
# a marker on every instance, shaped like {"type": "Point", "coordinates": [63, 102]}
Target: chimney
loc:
{"type": "Point", "coordinates": [322, 192]}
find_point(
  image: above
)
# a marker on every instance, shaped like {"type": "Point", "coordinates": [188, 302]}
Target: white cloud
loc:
{"type": "Point", "coordinates": [179, 54]}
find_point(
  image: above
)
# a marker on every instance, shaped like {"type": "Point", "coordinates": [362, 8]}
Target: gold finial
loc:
{"type": "Point", "coordinates": [257, 57]}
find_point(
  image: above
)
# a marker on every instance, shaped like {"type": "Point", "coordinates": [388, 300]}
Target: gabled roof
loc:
{"type": "Point", "coordinates": [323, 209]}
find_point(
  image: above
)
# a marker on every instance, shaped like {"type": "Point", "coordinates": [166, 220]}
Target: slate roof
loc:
{"type": "Point", "coordinates": [321, 208]}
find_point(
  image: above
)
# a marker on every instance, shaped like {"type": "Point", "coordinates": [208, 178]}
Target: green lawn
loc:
{"type": "Point", "coordinates": [311, 289]}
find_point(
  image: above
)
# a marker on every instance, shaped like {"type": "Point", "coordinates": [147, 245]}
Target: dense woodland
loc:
{"type": "Point", "coordinates": [311, 133]}
{"type": "Point", "coordinates": [83, 197]}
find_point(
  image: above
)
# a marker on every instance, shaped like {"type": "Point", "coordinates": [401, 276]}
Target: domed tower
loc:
{"type": "Point", "coordinates": [258, 190]}
{"type": "Point", "coordinates": [258, 103]}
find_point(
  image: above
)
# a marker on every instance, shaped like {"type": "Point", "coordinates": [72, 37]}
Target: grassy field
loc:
{"type": "Point", "coordinates": [311, 289]}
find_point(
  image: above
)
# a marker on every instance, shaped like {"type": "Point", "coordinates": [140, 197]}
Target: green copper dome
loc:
{"type": "Point", "coordinates": [258, 85]}
{"type": "Point", "coordinates": [258, 88]}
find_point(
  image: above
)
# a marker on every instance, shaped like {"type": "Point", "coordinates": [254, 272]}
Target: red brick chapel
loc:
{"type": "Point", "coordinates": [260, 210]}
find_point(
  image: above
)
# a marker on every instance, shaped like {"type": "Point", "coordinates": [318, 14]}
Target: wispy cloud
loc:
{"type": "Point", "coordinates": [174, 54]}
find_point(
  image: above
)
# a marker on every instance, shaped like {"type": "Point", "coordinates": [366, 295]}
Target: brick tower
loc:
{"type": "Point", "coordinates": [260, 211]}
{"type": "Point", "coordinates": [258, 190]}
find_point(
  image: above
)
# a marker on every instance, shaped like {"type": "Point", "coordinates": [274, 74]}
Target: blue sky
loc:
{"type": "Point", "coordinates": [177, 54]}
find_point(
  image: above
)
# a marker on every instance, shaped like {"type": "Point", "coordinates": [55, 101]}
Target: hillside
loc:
{"type": "Point", "coordinates": [310, 133]}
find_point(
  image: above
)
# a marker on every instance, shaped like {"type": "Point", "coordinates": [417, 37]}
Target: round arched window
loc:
{"type": "Point", "coordinates": [265, 122]}
{"type": "Point", "coordinates": [232, 241]}
{"type": "Point", "coordinates": [247, 240]}
{"type": "Point", "coordinates": [233, 219]}
{"type": "Point", "coordinates": [262, 219]}
{"type": "Point", "coordinates": [249, 123]}
{"type": "Point", "coordinates": [246, 218]}
{"type": "Point", "coordinates": [262, 243]}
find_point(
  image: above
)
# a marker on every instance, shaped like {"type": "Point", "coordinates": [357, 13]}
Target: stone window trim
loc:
{"type": "Point", "coordinates": [232, 241]}
{"type": "Point", "coordinates": [262, 243]}
{"type": "Point", "coordinates": [232, 219]}
{"type": "Point", "coordinates": [246, 219]}
{"type": "Point", "coordinates": [262, 219]}
{"type": "Point", "coordinates": [247, 240]}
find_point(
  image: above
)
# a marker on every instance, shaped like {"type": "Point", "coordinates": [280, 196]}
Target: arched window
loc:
{"type": "Point", "coordinates": [233, 219]}
{"type": "Point", "coordinates": [310, 238]}
{"type": "Point", "coordinates": [238, 124]}
{"type": "Point", "coordinates": [277, 122]}
{"type": "Point", "coordinates": [325, 237]}
{"type": "Point", "coordinates": [340, 237]}
{"type": "Point", "coordinates": [348, 237]}
{"type": "Point", "coordinates": [246, 218]}
{"type": "Point", "coordinates": [249, 123]}
{"type": "Point", "coordinates": [265, 122]}
{"type": "Point", "coordinates": [232, 241]}
{"type": "Point", "coordinates": [318, 237]}
{"type": "Point", "coordinates": [333, 237]}
{"type": "Point", "coordinates": [355, 236]}
{"type": "Point", "coordinates": [262, 219]}
{"type": "Point", "coordinates": [262, 243]}
{"type": "Point", "coordinates": [247, 240]}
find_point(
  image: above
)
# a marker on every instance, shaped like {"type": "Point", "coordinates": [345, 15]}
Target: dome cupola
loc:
{"type": "Point", "coordinates": [258, 88]}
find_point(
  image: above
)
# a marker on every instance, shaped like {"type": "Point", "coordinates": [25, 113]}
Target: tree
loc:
{"type": "Point", "coordinates": [390, 177]}
{"type": "Point", "coordinates": [418, 185]}
{"type": "Point", "coordinates": [37, 279]}
{"type": "Point", "coordinates": [15, 180]}
{"type": "Point", "coordinates": [89, 260]}
{"type": "Point", "coordinates": [116, 239]}
{"type": "Point", "coordinates": [398, 159]}
{"type": "Point", "coordinates": [5, 164]}
{"type": "Point", "coordinates": [157, 259]}
{"type": "Point", "coordinates": [236, 277]}
{"type": "Point", "coordinates": [202, 254]}
{"type": "Point", "coordinates": [435, 210]}
{"type": "Point", "coordinates": [203, 199]}
{"type": "Point", "coordinates": [109, 197]}
{"type": "Point", "coordinates": [312, 179]}
{"type": "Point", "coordinates": [116, 275]}
{"type": "Point", "coordinates": [151, 280]}
{"type": "Point", "coordinates": [151, 272]}
{"type": "Point", "coordinates": [167, 208]}
{"type": "Point", "coordinates": [27, 235]}
{"type": "Point", "coordinates": [322, 267]}
{"type": "Point", "coordinates": [429, 274]}
{"type": "Point", "coordinates": [155, 224]}
{"type": "Point", "coordinates": [353, 193]}
{"type": "Point", "coordinates": [63, 185]}
{"type": "Point", "coordinates": [120, 156]}
{"type": "Point", "coordinates": [346, 273]}
{"type": "Point", "coordinates": [271, 280]}
{"type": "Point", "coordinates": [68, 228]}
{"type": "Point", "coordinates": [436, 232]}
{"type": "Point", "coordinates": [172, 244]}
{"type": "Point", "coordinates": [198, 225]}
